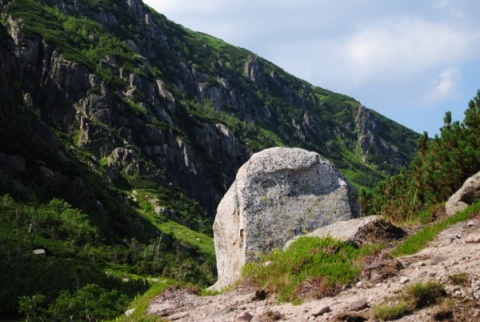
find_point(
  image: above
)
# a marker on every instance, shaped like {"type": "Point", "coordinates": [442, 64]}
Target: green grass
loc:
{"type": "Point", "coordinates": [413, 297]}
{"type": "Point", "coordinates": [419, 240]}
{"type": "Point", "coordinates": [141, 303]}
{"type": "Point", "coordinates": [311, 267]}
{"type": "Point", "coordinates": [390, 311]}
{"type": "Point", "coordinates": [180, 232]}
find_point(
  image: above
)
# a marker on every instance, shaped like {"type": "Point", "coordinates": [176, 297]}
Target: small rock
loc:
{"type": "Point", "coordinates": [358, 305]}
{"type": "Point", "coordinates": [404, 280]}
{"type": "Point", "coordinates": [47, 172]}
{"type": "Point", "coordinates": [473, 238]}
{"type": "Point", "coordinates": [129, 312]}
{"type": "Point", "coordinates": [220, 313]}
{"type": "Point", "coordinates": [39, 251]}
{"type": "Point", "coordinates": [244, 317]}
{"type": "Point", "coordinates": [178, 316]}
{"type": "Point", "coordinates": [476, 313]}
{"type": "Point", "coordinates": [359, 284]}
{"type": "Point", "coordinates": [437, 260]}
{"type": "Point", "coordinates": [322, 311]}
{"type": "Point", "coordinates": [470, 223]}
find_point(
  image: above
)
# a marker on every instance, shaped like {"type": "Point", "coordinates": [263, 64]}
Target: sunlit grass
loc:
{"type": "Point", "coordinates": [311, 267]}
{"type": "Point", "coordinates": [420, 239]}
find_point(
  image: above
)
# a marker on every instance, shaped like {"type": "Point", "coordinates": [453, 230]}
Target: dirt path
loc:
{"type": "Point", "coordinates": [454, 251]}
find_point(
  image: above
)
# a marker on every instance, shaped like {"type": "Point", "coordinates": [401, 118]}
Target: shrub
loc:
{"type": "Point", "coordinates": [420, 295]}
{"type": "Point", "coordinates": [459, 279]}
{"type": "Point", "coordinates": [390, 311]}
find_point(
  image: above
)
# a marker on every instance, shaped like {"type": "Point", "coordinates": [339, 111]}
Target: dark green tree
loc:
{"type": "Point", "coordinates": [438, 170]}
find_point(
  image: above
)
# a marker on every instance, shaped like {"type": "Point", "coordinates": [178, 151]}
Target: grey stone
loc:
{"type": "Point", "coordinates": [322, 311]}
{"type": "Point", "coordinates": [278, 194]}
{"type": "Point", "coordinates": [465, 196]}
{"type": "Point", "coordinates": [178, 316]}
{"type": "Point", "coordinates": [404, 280]}
{"type": "Point", "coordinates": [220, 313]}
{"type": "Point", "coordinates": [358, 305]}
{"type": "Point", "coordinates": [344, 230]}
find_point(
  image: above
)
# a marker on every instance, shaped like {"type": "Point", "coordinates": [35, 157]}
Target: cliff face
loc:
{"type": "Point", "coordinates": [146, 103]}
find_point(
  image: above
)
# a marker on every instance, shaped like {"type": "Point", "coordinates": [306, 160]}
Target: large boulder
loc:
{"type": "Point", "coordinates": [465, 196]}
{"type": "Point", "coordinates": [278, 194]}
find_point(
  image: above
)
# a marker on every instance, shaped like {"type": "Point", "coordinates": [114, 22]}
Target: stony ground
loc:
{"type": "Point", "coordinates": [454, 251]}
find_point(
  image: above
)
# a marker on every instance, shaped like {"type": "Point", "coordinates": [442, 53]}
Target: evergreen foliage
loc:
{"type": "Point", "coordinates": [76, 259]}
{"type": "Point", "coordinates": [438, 170]}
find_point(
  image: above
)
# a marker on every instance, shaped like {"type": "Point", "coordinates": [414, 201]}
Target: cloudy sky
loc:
{"type": "Point", "coordinates": [411, 60]}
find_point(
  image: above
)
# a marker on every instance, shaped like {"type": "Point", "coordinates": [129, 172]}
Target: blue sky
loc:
{"type": "Point", "coordinates": [410, 60]}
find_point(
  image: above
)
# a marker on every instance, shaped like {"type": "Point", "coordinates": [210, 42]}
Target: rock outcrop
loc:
{"type": "Point", "coordinates": [344, 230]}
{"type": "Point", "coordinates": [360, 231]}
{"type": "Point", "coordinates": [278, 194]}
{"type": "Point", "coordinates": [465, 196]}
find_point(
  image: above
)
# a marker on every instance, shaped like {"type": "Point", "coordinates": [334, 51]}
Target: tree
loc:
{"type": "Point", "coordinates": [438, 170]}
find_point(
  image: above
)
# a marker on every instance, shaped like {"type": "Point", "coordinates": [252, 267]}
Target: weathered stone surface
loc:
{"type": "Point", "coordinates": [344, 230]}
{"type": "Point", "coordinates": [278, 194]}
{"type": "Point", "coordinates": [465, 196]}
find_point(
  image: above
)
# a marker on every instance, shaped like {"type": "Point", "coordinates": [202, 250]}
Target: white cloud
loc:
{"type": "Point", "coordinates": [444, 87]}
{"type": "Point", "coordinates": [403, 48]}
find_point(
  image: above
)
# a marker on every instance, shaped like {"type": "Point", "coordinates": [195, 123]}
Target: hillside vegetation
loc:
{"type": "Point", "coordinates": [440, 168]}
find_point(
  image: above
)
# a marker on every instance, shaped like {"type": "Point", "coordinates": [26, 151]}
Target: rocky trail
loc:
{"type": "Point", "coordinates": [454, 251]}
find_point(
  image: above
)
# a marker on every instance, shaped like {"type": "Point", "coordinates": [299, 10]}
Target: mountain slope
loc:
{"type": "Point", "coordinates": [120, 76]}
{"type": "Point", "coordinates": [142, 124]}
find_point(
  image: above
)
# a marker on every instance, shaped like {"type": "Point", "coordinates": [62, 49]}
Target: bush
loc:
{"type": "Point", "coordinates": [390, 311]}
{"type": "Point", "coordinates": [459, 279]}
{"type": "Point", "coordinates": [421, 295]}
{"type": "Point", "coordinates": [89, 303]}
